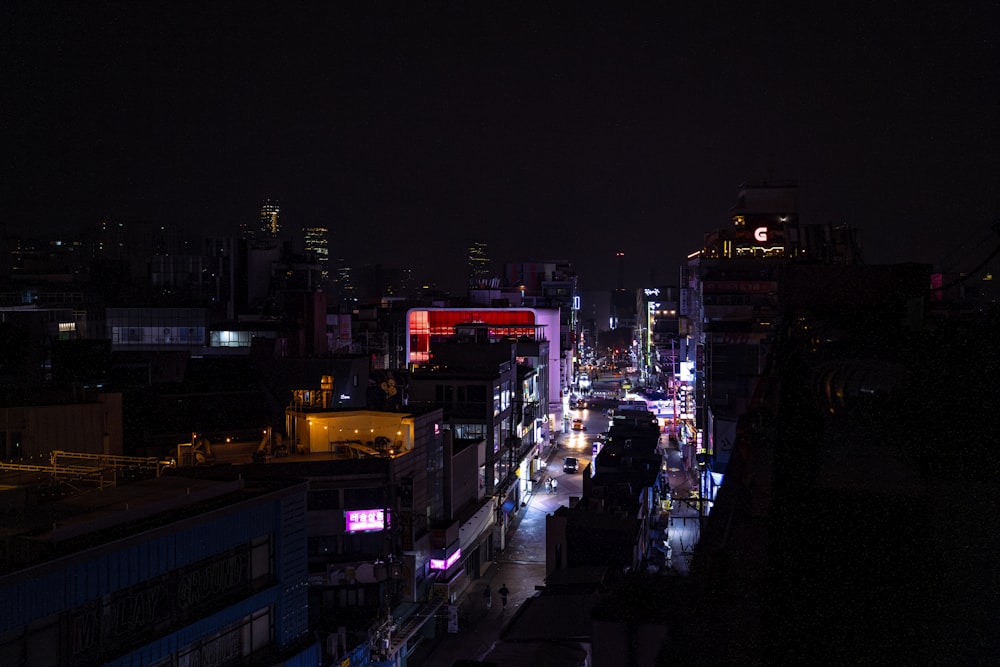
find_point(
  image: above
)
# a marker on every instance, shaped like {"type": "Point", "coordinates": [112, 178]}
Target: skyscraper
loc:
{"type": "Point", "coordinates": [269, 219]}
{"type": "Point", "coordinates": [479, 264]}
{"type": "Point", "coordinates": [317, 243]}
{"type": "Point", "coordinates": [344, 289]}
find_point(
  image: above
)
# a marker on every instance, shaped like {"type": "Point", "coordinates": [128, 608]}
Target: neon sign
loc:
{"type": "Point", "coordinates": [760, 234]}
{"type": "Point", "coordinates": [444, 564]}
{"type": "Point", "coordinates": [365, 520]}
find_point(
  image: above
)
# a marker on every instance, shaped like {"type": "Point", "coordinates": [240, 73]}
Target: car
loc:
{"type": "Point", "coordinates": [581, 404]}
{"type": "Point", "coordinates": [578, 425]}
{"type": "Point", "coordinates": [571, 464]}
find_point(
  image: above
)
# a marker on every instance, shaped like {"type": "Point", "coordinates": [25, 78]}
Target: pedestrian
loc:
{"type": "Point", "coordinates": [503, 595]}
{"type": "Point", "coordinates": [488, 596]}
{"type": "Point", "coordinates": [548, 485]}
{"type": "Point", "coordinates": [555, 484]}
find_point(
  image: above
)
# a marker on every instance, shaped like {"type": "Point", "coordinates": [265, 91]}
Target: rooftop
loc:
{"type": "Point", "coordinates": [40, 531]}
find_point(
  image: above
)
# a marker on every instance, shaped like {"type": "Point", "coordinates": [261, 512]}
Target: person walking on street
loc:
{"type": "Point", "coordinates": [488, 597]}
{"type": "Point", "coordinates": [503, 595]}
{"type": "Point", "coordinates": [548, 485]}
{"type": "Point", "coordinates": [555, 484]}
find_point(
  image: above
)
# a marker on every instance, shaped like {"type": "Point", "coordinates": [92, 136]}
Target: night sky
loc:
{"type": "Point", "coordinates": [549, 130]}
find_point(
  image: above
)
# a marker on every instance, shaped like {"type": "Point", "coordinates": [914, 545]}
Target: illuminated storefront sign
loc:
{"type": "Point", "coordinates": [365, 520]}
{"type": "Point", "coordinates": [760, 234]}
{"type": "Point", "coordinates": [439, 564]}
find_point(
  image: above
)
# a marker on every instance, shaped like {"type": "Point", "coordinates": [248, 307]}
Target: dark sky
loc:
{"type": "Point", "coordinates": [550, 130]}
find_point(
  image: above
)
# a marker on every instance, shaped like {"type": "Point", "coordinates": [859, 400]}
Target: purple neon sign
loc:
{"type": "Point", "coordinates": [365, 520]}
{"type": "Point", "coordinates": [438, 564]}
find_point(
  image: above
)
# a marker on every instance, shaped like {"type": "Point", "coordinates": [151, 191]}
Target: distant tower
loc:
{"type": "Point", "coordinates": [479, 264]}
{"type": "Point", "coordinates": [343, 282]}
{"type": "Point", "coordinates": [317, 243]}
{"type": "Point", "coordinates": [248, 232]}
{"type": "Point", "coordinates": [269, 219]}
{"type": "Point", "coordinates": [765, 222]}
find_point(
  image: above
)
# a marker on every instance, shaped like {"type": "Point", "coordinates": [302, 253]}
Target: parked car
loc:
{"type": "Point", "coordinates": [571, 464]}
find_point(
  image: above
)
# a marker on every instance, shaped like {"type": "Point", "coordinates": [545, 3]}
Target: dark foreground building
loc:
{"type": "Point", "coordinates": [166, 572]}
{"type": "Point", "coordinates": [856, 523]}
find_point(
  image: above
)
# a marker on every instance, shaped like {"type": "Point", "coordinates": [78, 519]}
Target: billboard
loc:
{"type": "Point", "coordinates": [361, 520]}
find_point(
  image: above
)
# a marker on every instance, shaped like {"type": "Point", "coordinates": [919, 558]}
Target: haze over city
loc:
{"type": "Point", "coordinates": [545, 129]}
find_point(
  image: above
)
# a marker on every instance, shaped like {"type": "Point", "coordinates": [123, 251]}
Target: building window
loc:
{"type": "Point", "coordinates": [261, 559]}
{"type": "Point", "coordinates": [469, 431]}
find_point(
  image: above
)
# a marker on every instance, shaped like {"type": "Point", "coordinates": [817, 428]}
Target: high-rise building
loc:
{"type": "Point", "coordinates": [765, 224]}
{"type": "Point", "coordinates": [479, 264]}
{"type": "Point", "coordinates": [269, 226]}
{"type": "Point", "coordinates": [317, 243]}
{"type": "Point", "coordinates": [248, 231]}
{"type": "Point", "coordinates": [344, 288]}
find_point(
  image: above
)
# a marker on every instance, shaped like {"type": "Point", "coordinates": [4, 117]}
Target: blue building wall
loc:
{"type": "Point", "coordinates": [146, 598]}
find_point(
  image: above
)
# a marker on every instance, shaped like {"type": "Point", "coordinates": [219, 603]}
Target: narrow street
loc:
{"type": "Point", "coordinates": [521, 565]}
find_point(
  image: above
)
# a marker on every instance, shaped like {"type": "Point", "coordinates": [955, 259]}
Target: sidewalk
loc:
{"type": "Point", "coordinates": [684, 522]}
{"type": "Point", "coordinates": [520, 566]}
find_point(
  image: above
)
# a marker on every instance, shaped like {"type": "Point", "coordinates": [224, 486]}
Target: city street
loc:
{"type": "Point", "coordinates": [521, 566]}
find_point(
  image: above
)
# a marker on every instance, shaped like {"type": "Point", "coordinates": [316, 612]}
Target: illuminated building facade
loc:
{"type": "Point", "coordinates": [345, 291]}
{"type": "Point", "coordinates": [376, 480]}
{"type": "Point", "coordinates": [491, 388]}
{"type": "Point", "coordinates": [426, 324]}
{"type": "Point", "coordinates": [765, 223]}
{"type": "Point", "coordinates": [317, 243]}
{"type": "Point", "coordinates": [269, 226]}
{"type": "Point", "coordinates": [479, 264]}
{"type": "Point", "coordinates": [730, 298]}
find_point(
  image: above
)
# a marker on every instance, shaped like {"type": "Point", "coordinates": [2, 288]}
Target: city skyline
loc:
{"type": "Point", "coordinates": [544, 131]}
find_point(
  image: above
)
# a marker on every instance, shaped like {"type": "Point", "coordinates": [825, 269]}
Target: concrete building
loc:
{"type": "Point", "coordinates": [376, 499]}
{"type": "Point", "coordinates": [167, 571]}
{"type": "Point", "coordinates": [35, 423]}
{"type": "Point", "coordinates": [423, 325]}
